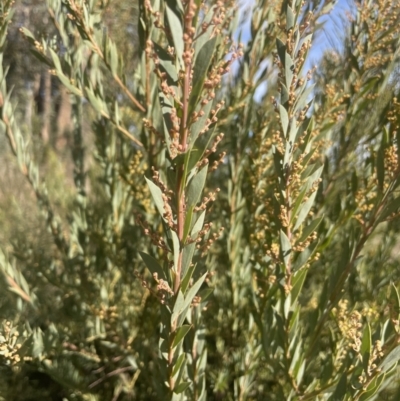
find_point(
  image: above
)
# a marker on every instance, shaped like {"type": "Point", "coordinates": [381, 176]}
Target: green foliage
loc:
{"type": "Point", "coordinates": [225, 226]}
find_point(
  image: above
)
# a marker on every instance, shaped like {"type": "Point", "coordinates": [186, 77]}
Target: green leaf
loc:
{"type": "Point", "coordinates": [36, 341]}
{"type": "Point", "coordinates": [278, 162]}
{"type": "Point", "coordinates": [193, 291]}
{"type": "Point", "coordinates": [28, 34]}
{"type": "Point", "coordinates": [289, 67]}
{"type": "Point", "coordinates": [284, 94]}
{"type": "Point", "coordinates": [200, 146]}
{"type": "Point", "coordinates": [281, 331]}
{"type": "Point", "coordinates": [113, 58]}
{"type": "Point", "coordinates": [294, 319]}
{"type": "Point", "coordinates": [56, 60]}
{"type": "Point", "coordinates": [284, 119]}
{"type": "Point", "coordinates": [41, 57]}
{"type": "Point", "coordinates": [295, 359]}
{"type": "Point", "coordinates": [365, 349]}
{"type": "Point", "coordinates": [204, 294]}
{"type": "Point", "coordinates": [394, 299]}
{"type": "Point", "coordinates": [380, 160]}
{"type": "Point", "coordinates": [313, 173]}
{"type": "Point", "coordinates": [198, 125]}
{"type": "Point", "coordinates": [199, 224]}
{"type": "Point", "coordinates": [304, 210]}
{"type": "Point", "coordinates": [294, 129]}
{"type": "Point", "coordinates": [178, 364]}
{"type": "Point", "coordinates": [300, 372]}
{"type": "Point", "coordinates": [195, 187]}
{"type": "Point", "coordinates": [153, 265]}
{"type": "Point", "coordinates": [287, 158]}
{"type": "Point", "coordinates": [303, 99]}
{"type": "Point", "coordinates": [290, 18]}
{"type": "Point", "coordinates": [297, 204]}
{"type": "Point", "coordinates": [380, 167]}
{"type": "Point", "coordinates": [286, 247]}
{"type": "Point", "coordinates": [373, 388]}
{"type": "Point", "coordinates": [67, 83]}
{"type": "Point", "coordinates": [96, 102]}
{"type": "Point", "coordinates": [178, 306]}
{"type": "Point", "coordinates": [175, 25]}
{"type": "Point", "coordinates": [341, 389]}
{"type": "Point", "coordinates": [157, 196]}
{"type": "Point", "coordinates": [166, 65]}
{"type": "Point", "coordinates": [392, 359]}
{"type": "Point", "coordinates": [281, 47]}
{"type": "Point", "coordinates": [180, 334]}
{"type": "Point", "coordinates": [386, 330]}
{"type": "Point", "coordinates": [202, 63]}
{"type": "Point", "coordinates": [203, 37]}
{"type": "Point", "coordinates": [297, 285]}
{"type": "Point", "coordinates": [179, 301]}
{"type": "Point", "coordinates": [176, 246]}
{"type": "Point", "coordinates": [307, 127]}
{"type": "Point", "coordinates": [187, 271]}
{"type": "Point", "coordinates": [392, 207]}
{"type": "Point", "coordinates": [310, 229]}
{"type": "Point", "coordinates": [181, 387]}
{"type": "Point", "coordinates": [188, 223]}
{"type": "Point", "coordinates": [286, 306]}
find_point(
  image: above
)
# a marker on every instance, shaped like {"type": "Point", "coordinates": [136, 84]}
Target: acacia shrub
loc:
{"type": "Point", "coordinates": [255, 201]}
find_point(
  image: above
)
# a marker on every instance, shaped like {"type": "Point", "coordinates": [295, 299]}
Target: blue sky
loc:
{"type": "Point", "coordinates": [327, 37]}
{"type": "Point", "coordinates": [332, 33]}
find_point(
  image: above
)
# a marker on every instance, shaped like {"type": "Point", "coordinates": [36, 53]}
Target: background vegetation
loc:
{"type": "Point", "coordinates": [186, 217]}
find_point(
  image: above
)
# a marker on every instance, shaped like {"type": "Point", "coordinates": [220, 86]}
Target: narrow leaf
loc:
{"type": "Point", "coordinates": [176, 246]}
{"type": "Point", "coordinates": [286, 247]}
{"type": "Point", "coordinates": [152, 265]}
{"type": "Point", "coordinates": [200, 70]}
{"type": "Point", "coordinates": [341, 390]}
{"type": "Point", "coordinates": [373, 388]}
{"type": "Point", "coordinates": [199, 224]}
{"type": "Point", "coordinates": [289, 67]}
{"type": "Point", "coordinates": [310, 229]}
{"type": "Point", "coordinates": [298, 281]}
{"type": "Point", "coordinates": [195, 187]}
{"type": "Point", "coordinates": [177, 33]}
{"type": "Point", "coordinates": [284, 94]}
{"type": "Point", "coordinates": [395, 299]}
{"type": "Point", "coordinates": [188, 223]}
{"type": "Point", "coordinates": [303, 99]}
{"type": "Point", "coordinates": [178, 364]}
{"type": "Point", "coordinates": [391, 359]}
{"type": "Point", "coordinates": [180, 334]}
{"type": "Point", "coordinates": [392, 207]}
{"type": "Point", "coordinates": [281, 47]}
{"type": "Point", "coordinates": [290, 18]}
{"type": "Point", "coordinates": [284, 119]}
{"type": "Point", "coordinates": [380, 167]}
{"type": "Point", "coordinates": [304, 210]}
{"type": "Point", "coordinates": [113, 59]}
{"type": "Point", "coordinates": [166, 64]}
{"type": "Point", "coordinates": [193, 291]}
{"type": "Point", "coordinates": [366, 346]}
{"type": "Point", "coordinates": [178, 306]}
{"type": "Point", "coordinates": [157, 196]}
{"type": "Point", "coordinates": [187, 271]}
{"type": "Point", "coordinates": [181, 387]}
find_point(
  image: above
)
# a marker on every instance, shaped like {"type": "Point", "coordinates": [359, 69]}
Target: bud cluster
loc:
{"type": "Point", "coordinates": [9, 345]}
